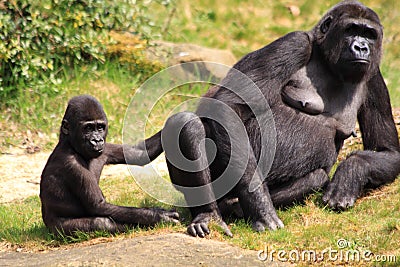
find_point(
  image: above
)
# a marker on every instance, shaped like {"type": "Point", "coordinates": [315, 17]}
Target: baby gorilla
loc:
{"type": "Point", "coordinates": [69, 188]}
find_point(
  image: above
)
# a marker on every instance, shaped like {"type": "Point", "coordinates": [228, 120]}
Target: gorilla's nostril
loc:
{"type": "Point", "coordinates": [360, 47]}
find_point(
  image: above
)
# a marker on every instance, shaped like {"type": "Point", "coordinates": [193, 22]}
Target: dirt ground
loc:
{"type": "Point", "coordinates": [161, 250]}
{"type": "Point", "coordinates": [20, 173]}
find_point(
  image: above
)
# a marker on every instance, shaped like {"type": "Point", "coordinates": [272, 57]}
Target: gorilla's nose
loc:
{"type": "Point", "coordinates": [97, 141]}
{"type": "Point", "coordinates": [360, 48]}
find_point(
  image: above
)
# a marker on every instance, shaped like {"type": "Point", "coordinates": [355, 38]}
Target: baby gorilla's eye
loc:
{"type": "Point", "coordinates": [88, 128]}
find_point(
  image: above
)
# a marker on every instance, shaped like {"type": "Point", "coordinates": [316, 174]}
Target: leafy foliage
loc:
{"type": "Point", "coordinates": [39, 38]}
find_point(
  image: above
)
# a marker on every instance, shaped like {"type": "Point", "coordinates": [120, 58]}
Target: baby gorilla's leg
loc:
{"type": "Point", "coordinates": [89, 224]}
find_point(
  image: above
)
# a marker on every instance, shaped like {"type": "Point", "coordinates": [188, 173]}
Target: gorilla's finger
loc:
{"type": "Point", "coordinates": [226, 229]}
{"type": "Point", "coordinates": [191, 230]}
{"type": "Point", "coordinates": [199, 229]}
{"type": "Point", "coordinates": [258, 226]}
{"type": "Point", "coordinates": [205, 229]}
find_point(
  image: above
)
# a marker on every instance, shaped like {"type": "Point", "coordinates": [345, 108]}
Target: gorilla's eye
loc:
{"type": "Point", "coordinates": [88, 128]}
{"type": "Point", "coordinates": [361, 30]}
{"type": "Point", "coordinates": [326, 24]}
{"type": "Point", "coordinates": [371, 33]}
{"type": "Point", "coordinates": [101, 127]}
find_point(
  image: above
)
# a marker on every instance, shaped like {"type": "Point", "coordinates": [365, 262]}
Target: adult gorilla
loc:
{"type": "Point", "coordinates": [336, 62]}
{"type": "Point", "coordinates": [69, 188]}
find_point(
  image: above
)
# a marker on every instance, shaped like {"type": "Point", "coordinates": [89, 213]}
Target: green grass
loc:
{"type": "Point", "coordinates": [21, 222]}
{"type": "Point", "coordinates": [111, 83]}
{"type": "Point", "coordinates": [373, 224]}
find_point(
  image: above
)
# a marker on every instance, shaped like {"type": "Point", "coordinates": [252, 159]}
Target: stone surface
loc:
{"type": "Point", "coordinates": [170, 54]}
{"type": "Point", "coordinates": [161, 250]}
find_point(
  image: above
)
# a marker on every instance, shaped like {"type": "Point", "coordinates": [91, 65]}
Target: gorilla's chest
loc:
{"type": "Point", "coordinates": [341, 101]}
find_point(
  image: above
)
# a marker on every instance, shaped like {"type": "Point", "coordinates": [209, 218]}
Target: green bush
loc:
{"type": "Point", "coordinates": [39, 38]}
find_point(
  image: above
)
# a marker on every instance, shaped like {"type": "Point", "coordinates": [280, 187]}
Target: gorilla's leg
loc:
{"type": "Point", "coordinates": [295, 191]}
{"type": "Point", "coordinates": [237, 167]}
{"type": "Point", "coordinates": [183, 139]}
{"type": "Point", "coordinates": [257, 204]}
{"type": "Point", "coordinates": [230, 208]}
{"type": "Point", "coordinates": [282, 195]}
{"type": "Point", "coordinates": [88, 224]}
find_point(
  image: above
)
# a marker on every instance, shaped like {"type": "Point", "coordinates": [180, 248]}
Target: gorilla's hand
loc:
{"type": "Point", "coordinates": [339, 198]}
{"type": "Point", "coordinates": [345, 187]}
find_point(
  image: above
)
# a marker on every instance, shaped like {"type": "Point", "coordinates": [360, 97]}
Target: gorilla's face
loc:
{"type": "Point", "coordinates": [358, 51]}
{"type": "Point", "coordinates": [351, 42]}
{"type": "Point", "coordinates": [91, 137]}
{"type": "Point", "coordinates": [85, 126]}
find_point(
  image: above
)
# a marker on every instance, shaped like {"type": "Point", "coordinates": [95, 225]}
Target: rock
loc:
{"type": "Point", "coordinates": [158, 250]}
{"type": "Point", "coordinates": [170, 54]}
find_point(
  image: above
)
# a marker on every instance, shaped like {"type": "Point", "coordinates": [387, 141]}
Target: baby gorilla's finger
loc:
{"type": "Point", "coordinates": [171, 217]}
{"type": "Point", "coordinates": [167, 216]}
{"type": "Point", "coordinates": [173, 214]}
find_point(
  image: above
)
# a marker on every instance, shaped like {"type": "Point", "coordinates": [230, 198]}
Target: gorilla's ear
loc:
{"type": "Point", "coordinates": [326, 24]}
{"type": "Point", "coordinates": [65, 127]}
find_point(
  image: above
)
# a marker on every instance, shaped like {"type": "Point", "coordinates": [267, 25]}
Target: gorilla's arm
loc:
{"type": "Point", "coordinates": [380, 137]}
{"type": "Point", "coordinates": [376, 120]}
{"type": "Point", "coordinates": [379, 163]}
{"type": "Point", "coordinates": [272, 66]}
{"type": "Point", "coordinates": [84, 185]}
{"type": "Point", "coordinates": [281, 58]}
{"type": "Point", "coordinates": [141, 154]}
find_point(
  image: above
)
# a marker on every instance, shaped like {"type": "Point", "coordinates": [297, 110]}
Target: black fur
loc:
{"type": "Point", "coordinates": [69, 188]}
{"type": "Point", "coordinates": [334, 63]}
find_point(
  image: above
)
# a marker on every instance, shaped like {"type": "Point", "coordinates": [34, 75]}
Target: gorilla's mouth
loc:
{"type": "Point", "coordinates": [98, 149]}
{"type": "Point", "coordinates": [360, 61]}
{"type": "Point", "coordinates": [96, 146]}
